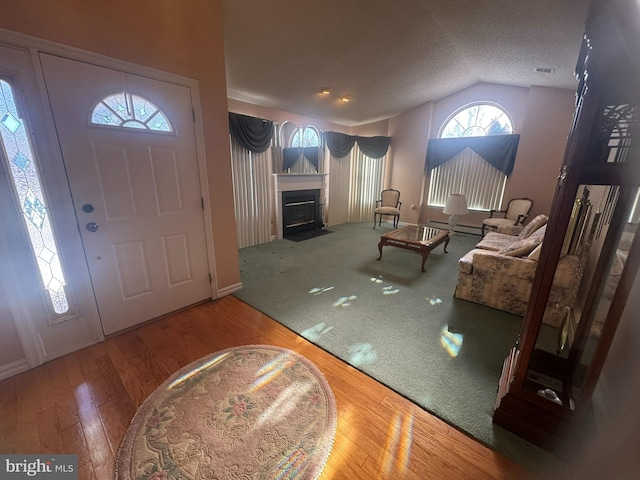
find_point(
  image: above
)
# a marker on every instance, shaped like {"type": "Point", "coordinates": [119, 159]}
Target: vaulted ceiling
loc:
{"type": "Point", "coordinates": [390, 56]}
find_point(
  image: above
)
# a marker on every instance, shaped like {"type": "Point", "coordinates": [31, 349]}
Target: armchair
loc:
{"type": "Point", "coordinates": [515, 214]}
{"type": "Point", "coordinates": [389, 204]}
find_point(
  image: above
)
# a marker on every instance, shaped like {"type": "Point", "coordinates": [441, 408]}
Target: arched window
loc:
{"type": "Point", "coordinates": [477, 120]}
{"type": "Point", "coordinates": [125, 110]}
{"type": "Point", "coordinates": [468, 173]}
{"type": "Point", "coordinates": [305, 137]}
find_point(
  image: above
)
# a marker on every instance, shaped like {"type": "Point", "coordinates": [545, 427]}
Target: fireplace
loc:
{"type": "Point", "coordinates": [300, 211]}
{"type": "Point", "coordinates": [299, 202]}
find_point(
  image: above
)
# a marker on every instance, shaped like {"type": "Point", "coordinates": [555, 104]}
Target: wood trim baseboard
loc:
{"type": "Point", "coordinates": [13, 368]}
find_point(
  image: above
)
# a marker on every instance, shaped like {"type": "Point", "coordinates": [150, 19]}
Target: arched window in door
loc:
{"type": "Point", "coordinates": [19, 156]}
{"type": "Point", "coordinates": [128, 111]}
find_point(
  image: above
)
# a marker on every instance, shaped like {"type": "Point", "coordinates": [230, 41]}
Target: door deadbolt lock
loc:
{"type": "Point", "coordinates": [87, 208]}
{"type": "Point", "coordinates": [92, 226]}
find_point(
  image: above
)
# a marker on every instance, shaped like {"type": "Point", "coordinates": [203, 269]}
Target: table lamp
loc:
{"type": "Point", "coordinates": [456, 205]}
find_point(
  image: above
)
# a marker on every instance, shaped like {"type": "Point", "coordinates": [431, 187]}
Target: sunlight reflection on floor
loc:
{"type": "Point", "coordinates": [319, 290]}
{"type": "Point", "coordinates": [397, 452]}
{"type": "Point", "coordinates": [434, 301]}
{"type": "Point", "coordinates": [452, 342]}
{"type": "Point", "coordinates": [344, 301]}
{"type": "Point", "coordinates": [314, 333]}
{"type": "Point", "coordinates": [362, 354]}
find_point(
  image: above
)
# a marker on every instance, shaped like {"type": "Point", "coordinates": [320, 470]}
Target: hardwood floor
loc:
{"type": "Point", "coordinates": [82, 403]}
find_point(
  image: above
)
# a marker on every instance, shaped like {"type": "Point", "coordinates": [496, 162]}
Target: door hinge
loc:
{"type": "Point", "coordinates": [202, 202]}
{"type": "Point", "coordinates": [210, 279]}
{"type": "Point", "coordinates": [193, 112]}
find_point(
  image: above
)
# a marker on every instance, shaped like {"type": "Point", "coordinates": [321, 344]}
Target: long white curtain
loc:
{"type": "Point", "coordinates": [339, 181]}
{"type": "Point", "coordinates": [355, 183]}
{"type": "Point", "coordinates": [253, 194]}
{"type": "Point", "coordinates": [470, 174]}
{"type": "Point", "coordinates": [366, 185]}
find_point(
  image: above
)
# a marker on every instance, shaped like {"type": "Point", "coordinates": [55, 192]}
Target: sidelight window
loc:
{"type": "Point", "coordinates": [19, 156]}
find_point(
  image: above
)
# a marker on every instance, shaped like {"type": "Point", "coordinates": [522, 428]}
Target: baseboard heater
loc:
{"type": "Point", "coordinates": [459, 228]}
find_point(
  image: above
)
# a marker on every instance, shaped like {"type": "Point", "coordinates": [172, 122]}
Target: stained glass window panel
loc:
{"type": "Point", "coordinates": [134, 124]}
{"type": "Point", "coordinates": [103, 115]}
{"type": "Point", "coordinates": [20, 161]}
{"type": "Point", "coordinates": [10, 122]}
{"type": "Point", "coordinates": [160, 123]}
{"type": "Point", "coordinates": [129, 111]}
{"type": "Point", "coordinates": [24, 174]}
{"type": "Point", "coordinates": [118, 104]}
{"type": "Point", "coordinates": [143, 108]}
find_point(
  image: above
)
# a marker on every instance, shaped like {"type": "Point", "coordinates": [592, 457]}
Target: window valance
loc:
{"type": "Point", "coordinates": [498, 150]}
{"type": "Point", "coordinates": [340, 144]}
{"type": "Point", "coordinates": [291, 154]}
{"type": "Point", "coordinates": [252, 133]}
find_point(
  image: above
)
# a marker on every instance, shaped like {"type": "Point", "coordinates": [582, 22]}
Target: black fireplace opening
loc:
{"type": "Point", "coordinates": [300, 211]}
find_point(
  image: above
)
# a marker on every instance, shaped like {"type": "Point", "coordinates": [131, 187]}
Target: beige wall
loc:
{"type": "Point", "coordinates": [409, 135]}
{"type": "Point", "coordinates": [543, 139]}
{"type": "Point", "coordinates": [161, 34]}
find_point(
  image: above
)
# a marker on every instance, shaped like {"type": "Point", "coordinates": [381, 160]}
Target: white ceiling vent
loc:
{"type": "Point", "coordinates": [544, 70]}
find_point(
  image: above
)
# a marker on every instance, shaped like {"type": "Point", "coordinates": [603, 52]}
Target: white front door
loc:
{"type": "Point", "coordinates": [136, 191]}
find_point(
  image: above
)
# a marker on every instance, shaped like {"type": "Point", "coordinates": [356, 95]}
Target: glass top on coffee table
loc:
{"type": "Point", "coordinates": [416, 238]}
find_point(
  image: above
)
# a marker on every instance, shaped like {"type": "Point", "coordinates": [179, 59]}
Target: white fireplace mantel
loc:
{"type": "Point", "coordinates": [288, 182]}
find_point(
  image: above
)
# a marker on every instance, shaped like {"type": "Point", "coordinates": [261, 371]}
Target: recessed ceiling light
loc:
{"type": "Point", "coordinates": [325, 91]}
{"type": "Point", "coordinates": [345, 99]}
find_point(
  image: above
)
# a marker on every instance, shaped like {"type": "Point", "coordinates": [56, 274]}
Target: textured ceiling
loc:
{"type": "Point", "coordinates": [390, 56]}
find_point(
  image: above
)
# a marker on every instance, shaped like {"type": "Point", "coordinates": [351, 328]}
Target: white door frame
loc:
{"type": "Point", "coordinates": [54, 177]}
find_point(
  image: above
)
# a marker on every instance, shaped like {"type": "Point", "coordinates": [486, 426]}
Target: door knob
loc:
{"type": "Point", "coordinates": [92, 226]}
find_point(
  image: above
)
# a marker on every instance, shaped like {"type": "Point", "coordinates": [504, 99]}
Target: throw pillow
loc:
{"type": "Point", "coordinates": [533, 225]}
{"type": "Point", "coordinates": [520, 248]}
{"type": "Point", "coordinates": [538, 235]}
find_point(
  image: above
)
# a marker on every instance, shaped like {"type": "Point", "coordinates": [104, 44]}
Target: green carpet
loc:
{"type": "Point", "coordinates": [393, 322]}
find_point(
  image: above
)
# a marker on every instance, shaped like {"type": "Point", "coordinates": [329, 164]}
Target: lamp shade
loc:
{"type": "Point", "coordinates": [456, 205]}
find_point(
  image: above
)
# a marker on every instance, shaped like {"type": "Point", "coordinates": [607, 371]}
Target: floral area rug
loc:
{"type": "Point", "coordinates": [251, 412]}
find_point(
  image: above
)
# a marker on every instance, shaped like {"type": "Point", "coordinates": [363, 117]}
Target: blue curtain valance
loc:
{"type": "Point", "coordinates": [340, 144]}
{"type": "Point", "coordinates": [252, 133]}
{"type": "Point", "coordinates": [498, 150]}
{"type": "Point", "coordinates": [291, 154]}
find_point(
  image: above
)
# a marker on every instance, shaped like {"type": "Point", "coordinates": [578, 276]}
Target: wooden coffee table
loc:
{"type": "Point", "coordinates": [417, 239]}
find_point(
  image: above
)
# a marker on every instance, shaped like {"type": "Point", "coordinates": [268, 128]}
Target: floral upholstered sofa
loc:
{"type": "Point", "coordinates": [499, 272]}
